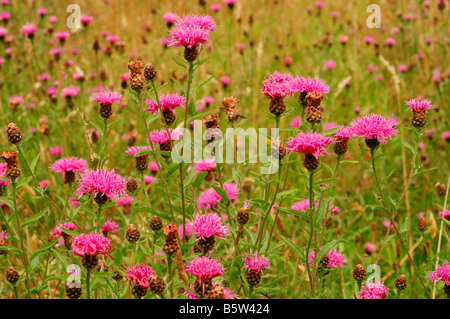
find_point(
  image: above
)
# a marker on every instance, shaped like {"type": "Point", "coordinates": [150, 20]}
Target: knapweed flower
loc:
{"type": "Point", "coordinates": [419, 108]}
{"type": "Point", "coordinates": [168, 103]}
{"type": "Point", "coordinates": [311, 94]}
{"type": "Point", "coordinates": [390, 42]}
{"type": "Point", "coordinates": [341, 138]}
{"type": "Point", "coordinates": [103, 183]}
{"type": "Point", "coordinates": [68, 166]}
{"type": "Point", "coordinates": [28, 30]}
{"type": "Point", "coordinates": [15, 101]}
{"type": "Point", "coordinates": [255, 266]}
{"type": "Point", "coordinates": [55, 151]}
{"type": "Point", "coordinates": [3, 175]}
{"type": "Point", "coordinates": [332, 259]}
{"type": "Point", "coordinates": [375, 128]}
{"type": "Point", "coordinates": [370, 248]}
{"type": "Point", "coordinates": [277, 86]}
{"type": "Point", "coordinates": [86, 20]}
{"type": "Point", "coordinates": [106, 99]}
{"type": "Point", "coordinates": [206, 165]}
{"type": "Point", "coordinates": [109, 227]}
{"type": "Point", "coordinates": [302, 206]}
{"type": "Point", "coordinates": [70, 92]}
{"type": "Point", "coordinates": [89, 246]}
{"type": "Point", "coordinates": [125, 202]}
{"type": "Point", "coordinates": [329, 65]}
{"type": "Point", "coordinates": [208, 199]}
{"type": "Point", "coordinates": [191, 32]}
{"type": "Point", "coordinates": [170, 18]}
{"type": "Point", "coordinates": [62, 36]}
{"type": "Point", "coordinates": [442, 273]}
{"type": "Point", "coordinates": [205, 269]}
{"type": "Point", "coordinates": [312, 145]}
{"type": "Point", "coordinates": [58, 232]}
{"type": "Point", "coordinates": [227, 293]}
{"type": "Point", "coordinates": [232, 190]}
{"type": "Point", "coordinates": [445, 214]}
{"type": "Point", "coordinates": [141, 160]}
{"type": "Point", "coordinates": [140, 275]}
{"type": "Point", "coordinates": [207, 227]}
{"type": "Point", "coordinates": [163, 139]}
{"type": "Point", "coordinates": [374, 291]}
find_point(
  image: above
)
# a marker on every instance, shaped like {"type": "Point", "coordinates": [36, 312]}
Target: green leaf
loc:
{"type": "Point", "coordinates": [424, 172]}
{"type": "Point", "coordinates": [34, 162]}
{"type": "Point", "coordinates": [290, 211]}
{"type": "Point", "coordinates": [409, 146]}
{"type": "Point", "coordinates": [294, 247]}
{"type": "Point", "coordinates": [222, 193]}
{"type": "Point", "coordinates": [35, 217]}
{"type": "Point", "coordinates": [69, 232]}
{"type": "Point", "coordinates": [12, 249]}
{"type": "Point", "coordinates": [204, 82]}
{"type": "Point", "coordinates": [390, 204]}
{"type": "Point", "coordinates": [43, 248]}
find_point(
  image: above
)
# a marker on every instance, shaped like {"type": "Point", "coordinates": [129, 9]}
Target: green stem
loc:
{"type": "Point", "coordinates": [88, 284]}
{"type": "Point", "coordinates": [311, 215]}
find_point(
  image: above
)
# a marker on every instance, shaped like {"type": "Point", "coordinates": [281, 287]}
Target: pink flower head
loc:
{"type": "Point", "coordinates": [420, 105]}
{"type": "Point", "coordinates": [149, 180]}
{"type": "Point", "coordinates": [2, 174]}
{"type": "Point", "coordinates": [208, 199]}
{"type": "Point", "coordinates": [3, 32]}
{"type": "Point", "coordinates": [74, 202]}
{"type": "Point", "coordinates": [62, 35]}
{"type": "Point", "coordinates": [3, 234]}
{"type": "Point", "coordinates": [402, 68]}
{"type": "Point", "coordinates": [140, 275]}
{"type": "Point", "coordinates": [303, 205]}
{"type": "Point", "coordinates": [374, 126]}
{"type": "Point", "coordinates": [106, 98]}
{"type": "Point", "coordinates": [124, 77]}
{"type": "Point", "coordinates": [55, 151]}
{"type": "Point", "coordinates": [86, 19]}
{"type": "Point", "coordinates": [209, 225]}
{"type": "Point", "coordinates": [442, 273]}
{"type": "Point", "coordinates": [91, 244]}
{"type": "Point", "coordinates": [15, 100]}
{"type": "Point", "coordinates": [277, 85]}
{"type": "Point", "coordinates": [225, 80]}
{"type": "Point", "coordinates": [70, 164]}
{"type": "Point", "coordinates": [112, 38]}
{"type": "Point", "coordinates": [301, 84]}
{"type": "Point", "coordinates": [41, 11]}
{"type": "Point", "coordinates": [102, 181]}
{"type": "Point", "coordinates": [109, 227]}
{"type": "Point", "coordinates": [206, 165]}
{"type": "Point", "coordinates": [343, 39]}
{"type": "Point", "coordinates": [153, 166]}
{"type": "Point", "coordinates": [445, 135]}
{"type": "Point", "coordinates": [329, 126]}
{"type": "Point", "coordinates": [295, 122]}
{"type": "Point", "coordinates": [167, 102]}
{"type": "Point", "coordinates": [336, 259]}
{"type": "Point", "coordinates": [189, 230]}
{"type": "Point", "coordinates": [136, 149]}
{"type": "Point", "coordinates": [161, 136]}
{"type": "Point", "coordinates": [368, 40]}
{"type": "Point", "coordinates": [204, 268]}
{"type": "Point", "coordinates": [256, 263]}
{"type": "Point", "coordinates": [445, 214]}
{"type": "Point", "coordinates": [70, 91]}
{"type": "Point", "coordinates": [191, 31]}
{"type": "Point", "coordinates": [329, 65]}
{"type": "Point", "coordinates": [374, 291]}
{"type": "Point", "coordinates": [124, 201]}
{"type": "Point", "coordinates": [215, 7]}
{"type": "Point", "coordinates": [309, 143]}
{"type": "Point", "coordinates": [345, 132]}
{"type": "Point", "coordinates": [370, 248]}
{"type": "Point", "coordinates": [319, 4]}
{"type": "Point", "coordinates": [28, 29]}
{"type": "Point", "coordinates": [53, 19]}
{"type": "Point", "coordinates": [335, 14]}
{"type": "Point", "coordinates": [203, 21]}
{"type": "Point", "coordinates": [5, 16]}
{"type": "Point", "coordinates": [387, 224]}
{"type": "Point", "coordinates": [390, 42]}
{"type": "Point", "coordinates": [58, 232]}
{"type": "Point", "coordinates": [334, 209]}
{"type": "Point", "coordinates": [170, 17]}
{"type": "Point", "coordinates": [232, 190]}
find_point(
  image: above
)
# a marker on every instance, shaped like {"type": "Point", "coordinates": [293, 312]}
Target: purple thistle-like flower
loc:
{"type": "Point", "coordinates": [70, 91]}
{"type": "Point", "coordinates": [2, 174]}
{"type": "Point", "coordinates": [161, 136]}
{"type": "Point", "coordinates": [309, 143]}
{"type": "Point", "coordinates": [58, 232]}
{"type": "Point", "coordinates": [109, 227]}
{"type": "Point", "coordinates": [206, 165]}
{"type": "Point", "coordinates": [28, 29]}
{"type": "Point", "coordinates": [3, 234]}
{"type": "Point", "coordinates": [208, 199]}
{"type": "Point", "coordinates": [167, 102]}
{"type": "Point", "coordinates": [256, 263]}
{"type": "Point", "coordinates": [303, 205]}
{"type": "Point", "coordinates": [204, 268]}
{"type": "Point", "coordinates": [102, 181]}
{"type": "Point", "coordinates": [442, 273]}
{"type": "Point", "coordinates": [228, 294]}
{"type": "Point", "coordinates": [140, 275]}
{"type": "Point", "coordinates": [374, 126]}
{"type": "Point", "coordinates": [419, 105]}
{"type": "Point", "coordinates": [209, 225]}
{"type": "Point", "coordinates": [232, 190]}
{"type": "Point", "coordinates": [124, 201]}
{"type": "Point", "coordinates": [277, 85]}
{"type": "Point", "coordinates": [203, 21]}
{"type": "Point", "coordinates": [302, 84]}
{"type": "Point", "coordinates": [106, 98]}
{"type": "Point", "coordinates": [345, 132]}
{"type": "Point", "coordinates": [374, 291]}
{"type": "Point", "coordinates": [91, 244]}
{"type": "Point", "coordinates": [135, 149]}
{"type": "Point", "coordinates": [187, 36]}
{"type": "Point", "coordinates": [70, 164]}
{"type": "Point", "coordinates": [335, 259]}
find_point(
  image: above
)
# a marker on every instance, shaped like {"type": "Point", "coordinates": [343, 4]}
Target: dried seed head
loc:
{"type": "Point", "coordinates": [132, 185]}
{"type": "Point", "coordinates": [359, 273]}
{"type": "Point", "coordinates": [150, 72]}
{"type": "Point", "coordinates": [135, 68]}
{"type": "Point", "coordinates": [15, 135]}
{"type": "Point", "coordinates": [132, 234]}
{"type": "Point", "coordinates": [156, 223]}
{"type": "Point", "coordinates": [401, 283]}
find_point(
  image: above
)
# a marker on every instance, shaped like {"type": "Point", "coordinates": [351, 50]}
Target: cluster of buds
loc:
{"type": "Point", "coordinates": [212, 127]}
{"type": "Point", "coordinates": [314, 111]}
{"type": "Point", "coordinates": [132, 185]}
{"type": "Point", "coordinates": [229, 104]}
{"type": "Point", "coordinates": [156, 223]}
{"type": "Point", "coordinates": [12, 168]}
{"type": "Point", "coordinates": [137, 80]}
{"type": "Point", "coordinates": [14, 133]}
{"type": "Point", "coordinates": [171, 245]}
{"type": "Point", "coordinates": [132, 235]}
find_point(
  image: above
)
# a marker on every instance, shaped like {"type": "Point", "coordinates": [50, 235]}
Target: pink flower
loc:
{"type": "Point", "coordinates": [374, 126]}
{"type": "Point", "coordinates": [368, 40]}
{"type": "Point", "coordinates": [343, 39]}
{"type": "Point", "coordinates": [446, 135]}
{"type": "Point", "coordinates": [387, 224]}
{"type": "Point", "coordinates": [62, 35]}
{"type": "Point", "coordinates": [15, 100]}
{"type": "Point", "coordinates": [91, 244]}
{"type": "Point", "coordinates": [329, 126]}
{"type": "Point", "coordinates": [256, 263]}
{"type": "Point", "coordinates": [204, 268]}
{"type": "Point", "coordinates": [402, 68]}
{"type": "Point", "coordinates": [41, 11]}
{"type": "Point", "coordinates": [102, 181]}
{"type": "Point", "coordinates": [2, 174]}
{"type": "Point", "coordinates": [334, 209]}
{"type": "Point", "coordinates": [58, 232]}
{"type": "Point", "coordinates": [3, 234]}
{"type": "Point", "coordinates": [106, 98]}
{"type": "Point", "coordinates": [445, 214]}
{"type": "Point", "coordinates": [28, 29]}
{"type": "Point", "coordinates": [136, 149]}
{"type": "Point", "coordinates": [329, 65]}
{"type": "Point", "coordinates": [309, 143]}
{"type": "Point", "coordinates": [55, 151]}
{"type": "Point", "coordinates": [277, 85]}
{"type": "Point", "coordinates": [70, 164]}
{"type": "Point", "coordinates": [442, 273]}
{"type": "Point", "coordinates": [112, 38]}
{"type": "Point", "coordinates": [319, 4]}
{"type": "Point", "coordinates": [371, 68]}
{"type": "Point", "coordinates": [421, 105]}
{"type": "Point", "coordinates": [370, 248]}
{"type": "Point", "coordinates": [153, 166]}
{"type": "Point", "coordinates": [189, 230]}
{"type": "Point", "coordinates": [287, 61]}
{"type": "Point", "coordinates": [303, 205]}
{"type": "Point", "coordinates": [374, 291]}
{"type": "Point", "coordinates": [209, 225]}
{"type": "Point", "coordinates": [225, 80]}
{"type": "Point", "coordinates": [161, 137]}
{"type": "Point", "coordinates": [74, 202]}
{"type": "Point", "coordinates": [167, 102]}
{"type": "Point", "coordinates": [215, 7]}
{"type": "Point", "coordinates": [335, 259]}
{"type": "Point", "coordinates": [3, 32]}
{"type": "Point", "coordinates": [296, 122]}
{"type": "Point", "coordinates": [53, 19]}
{"type": "Point", "coordinates": [124, 201]}
{"type": "Point", "coordinates": [301, 84]}
{"type": "Point", "coordinates": [206, 165]}
{"type": "Point", "coordinates": [208, 199]}
{"type": "Point", "coordinates": [345, 132]}
{"type": "Point", "coordinates": [390, 42]}
{"type": "Point", "coordinates": [198, 21]}
{"type": "Point", "coordinates": [70, 91]}
{"type": "Point", "coordinates": [86, 19]}
{"type": "Point", "coordinates": [140, 275]}
{"type": "Point", "coordinates": [232, 190]}
{"type": "Point", "coordinates": [170, 17]}
{"type": "Point", "coordinates": [149, 180]}
{"type": "Point", "coordinates": [228, 294]}
{"type": "Point", "coordinates": [191, 31]}
{"type": "Point", "coordinates": [335, 14]}
{"type": "Point", "coordinates": [109, 227]}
